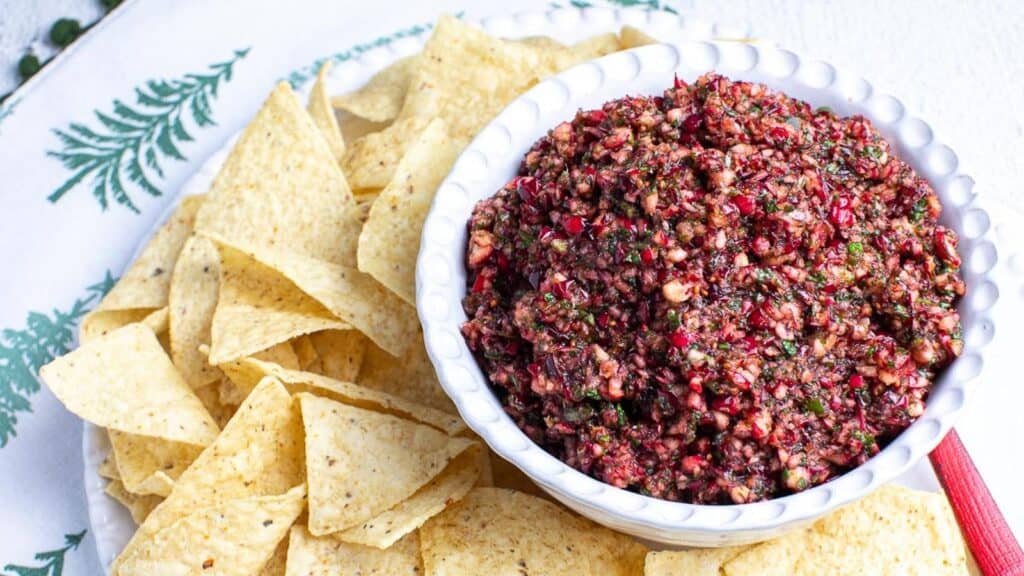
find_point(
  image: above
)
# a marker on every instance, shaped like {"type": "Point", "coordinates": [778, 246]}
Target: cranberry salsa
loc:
{"type": "Point", "coordinates": [717, 295]}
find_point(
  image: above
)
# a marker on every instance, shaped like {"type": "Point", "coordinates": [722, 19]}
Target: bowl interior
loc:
{"type": "Point", "coordinates": [494, 157]}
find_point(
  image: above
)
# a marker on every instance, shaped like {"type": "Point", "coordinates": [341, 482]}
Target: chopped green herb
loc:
{"type": "Point", "coordinates": [817, 277]}
{"type": "Point", "coordinates": [526, 238]}
{"type": "Point", "coordinates": [604, 438]}
{"type": "Point", "coordinates": [770, 206]}
{"type": "Point", "coordinates": [673, 319]}
{"type": "Point", "coordinates": [854, 249]}
{"type": "Point", "coordinates": [789, 347]}
{"type": "Point", "coordinates": [873, 151]}
{"type": "Point", "coordinates": [592, 394]}
{"type": "Point", "coordinates": [724, 346]}
{"type": "Point", "coordinates": [865, 438]}
{"type": "Point", "coordinates": [589, 318]}
{"type": "Point", "coordinates": [814, 405]}
{"type": "Point", "coordinates": [549, 297]}
{"type": "Point", "coordinates": [823, 109]}
{"type": "Point", "coordinates": [832, 167]}
{"type": "Point", "coordinates": [918, 210]}
{"type": "Point", "coordinates": [621, 414]}
{"type": "Point", "coordinates": [633, 257]}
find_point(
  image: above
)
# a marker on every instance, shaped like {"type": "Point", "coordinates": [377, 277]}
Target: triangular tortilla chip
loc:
{"type": "Point", "coordinates": [305, 352]}
{"type": "Point", "coordinates": [278, 563]}
{"type": "Point", "coordinates": [892, 531]}
{"type": "Point", "coordinates": [351, 296]}
{"type": "Point", "coordinates": [381, 98]}
{"type": "Point", "coordinates": [108, 468]}
{"type": "Point", "coordinates": [235, 538]}
{"type": "Point", "coordinates": [259, 453]}
{"type": "Point", "coordinates": [464, 77]}
{"type": "Point", "coordinates": [195, 286]}
{"type": "Point", "coordinates": [148, 465]}
{"type": "Point", "coordinates": [309, 555]}
{"type": "Point", "coordinates": [390, 240]}
{"type": "Point", "coordinates": [695, 562]}
{"type": "Point", "coordinates": [281, 188]}
{"type": "Point", "coordinates": [125, 381]}
{"type": "Point", "coordinates": [410, 376]}
{"type": "Point", "coordinates": [495, 531]}
{"type": "Point", "coordinates": [445, 489]}
{"type": "Point", "coordinates": [138, 506]}
{"type": "Point", "coordinates": [281, 354]}
{"type": "Point", "coordinates": [340, 353]}
{"type": "Point", "coordinates": [258, 308]}
{"type": "Point", "coordinates": [632, 37]}
{"type": "Point", "coordinates": [322, 112]}
{"type": "Point", "coordinates": [145, 285]}
{"type": "Point", "coordinates": [247, 372]}
{"type": "Point", "coordinates": [361, 463]}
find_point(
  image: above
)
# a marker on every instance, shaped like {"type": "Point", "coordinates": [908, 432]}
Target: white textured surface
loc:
{"type": "Point", "coordinates": [25, 25]}
{"type": "Point", "coordinates": [494, 158]}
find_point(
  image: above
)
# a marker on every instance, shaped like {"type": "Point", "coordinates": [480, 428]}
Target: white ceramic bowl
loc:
{"type": "Point", "coordinates": [493, 158]}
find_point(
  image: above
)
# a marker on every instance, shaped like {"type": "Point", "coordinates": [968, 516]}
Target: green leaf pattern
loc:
{"type": "Point", "coordinates": [132, 141]}
{"type": "Point", "coordinates": [52, 560]}
{"type": "Point", "coordinates": [24, 351]}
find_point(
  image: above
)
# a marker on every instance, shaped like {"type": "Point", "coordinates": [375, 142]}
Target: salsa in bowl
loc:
{"type": "Point", "coordinates": [705, 314]}
{"type": "Point", "coordinates": [713, 295]}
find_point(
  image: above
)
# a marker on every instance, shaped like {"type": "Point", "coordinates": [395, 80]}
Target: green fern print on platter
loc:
{"type": "Point", "coordinates": [133, 141]}
{"type": "Point", "coordinates": [23, 352]}
{"type": "Point", "coordinates": [52, 560]}
{"type": "Point", "coordinates": [302, 75]}
{"type": "Point", "coordinates": [644, 4]}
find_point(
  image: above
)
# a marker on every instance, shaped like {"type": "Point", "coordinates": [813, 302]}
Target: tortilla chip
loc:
{"type": "Point", "coordinates": [125, 381]}
{"type": "Point", "coordinates": [101, 323]}
{"type": "Point", "coordinates": [235, 538]}
{"type": "Point", "coordinates": [506, 475]}
{"type": "Point", "coordinates": [150, 465]}
{"type": "Point", "coordinates": [390, 240]}
{"type": "Point", "coordinates": [323, 114]}
{"type": "Point", "coordinates": [362, 463]}
{"type": "Point", "coordinates": [195, 286]}
{"type": "Point", "coordinates": [370, 160]}
{"type": "Point", "coordinates": [696, 562]}
{"type": "Point", "coordinates": [108, 468]}
{"type": "Point", "coordinates": [258, 308]}
{"type": "Point", "coordinates": [304, 350]}
{"type": "Point", "coordinates": [247, 372]}
{"type": "Point", "coordinates": [351, 296]}
{"type": "Point", "coordinates": [632, 37]}
{"type": "Point", "coordinates": [496, 531]}
{"type": "Point", "coordinates": [138, 506]}
{"type": "Point", "coordinates": [542, 42]}
{"type": "Point", "coordinates": [380, 100]}
{"type": "Point", "coordinates": [281, 188]}
{"type": "Point", "coordinates": [595, 47]}
{"type": "Point", "coordinates": [411, 376]}
{"type": "Point", "coordinates": [445, 489]}
{"type": "Point", "coordinates": [281, 354]}
{"type": "Point", "coordinates": [259, 453]}
{"type": "Point", "coordinates": [309, 555]}
{"type": "Point", "coordinates": [352, 128]}
{"type": "Point", "coordinates": [278, 563]}
{"type": "Point", "coordinates": [340, 353]}
{"type": "Point", "coordinates": [212, 397]}
{"type": "Point", "coordinates": [464, 77]}
{"type": "Point", "coordinates": [892, 531]}
{"type": "Point", "coordinates": [146, 282]}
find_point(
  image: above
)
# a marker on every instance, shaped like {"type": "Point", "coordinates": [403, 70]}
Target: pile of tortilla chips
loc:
{"type": "Point", "coordinates": [262, 377]}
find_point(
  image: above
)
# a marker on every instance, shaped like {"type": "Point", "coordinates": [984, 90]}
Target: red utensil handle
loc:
{"type": "Point", "coordinates": [984, 528]}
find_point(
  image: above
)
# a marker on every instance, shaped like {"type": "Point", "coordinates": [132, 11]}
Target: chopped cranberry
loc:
{"type": "Point", "coordinates": [745, 204]}
{"type": "Point", "coordinates": [856, 381]}
{"type": "Point", "coordinates": [527, 188]}
{"type": "Point", "coordinates": [841, 213]}
{"type": "Point", "coordinates": [647, 255]}
{"type": "Point", "coordinates": [480, 284]}
{"type": "Point", "coordinates": [692, 123]}
{"type": "Point", "coordinates": [680, 339]}
{"type": "Point", "coordinates": [594, 117]}
{"type": "Point", "coordinates": [574, 225]}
